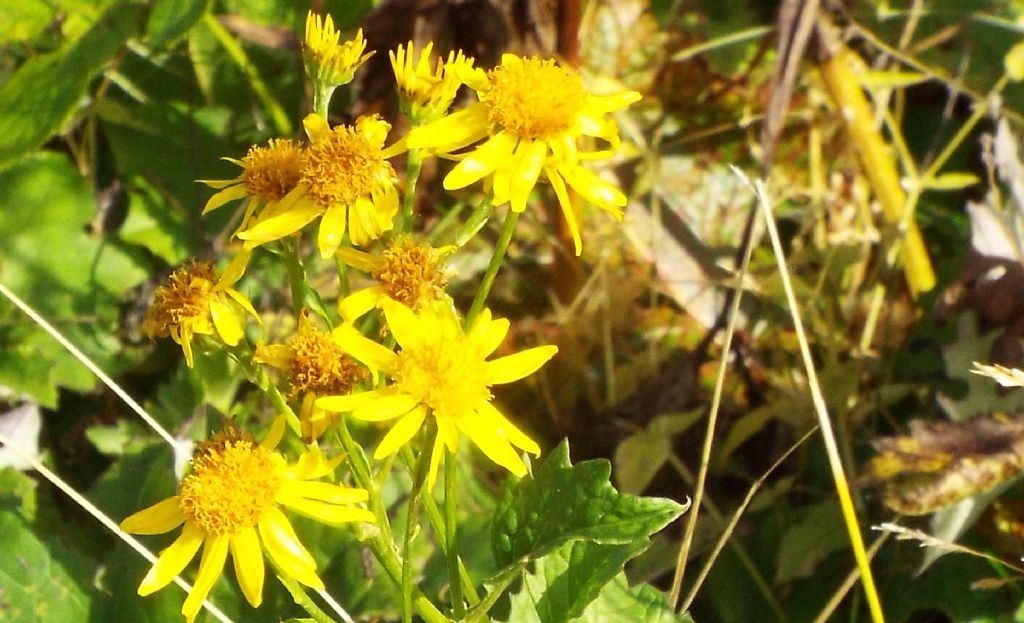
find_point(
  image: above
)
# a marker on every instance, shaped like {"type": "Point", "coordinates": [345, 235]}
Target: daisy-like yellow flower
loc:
{"type": "Point", "coordinates": [345, 180]}
{"type": "Point", "coordinates": [316, 366]}
{"type": "Point", "coordinates": [411, 273]}
{"type": "Point", "coordinates": [230, 502]}
{"type": "Point", "coordinates": [441, 371]}
{"type": "Point", "coordinates": [329, 63]}
{"type": "Point", "coordinates": [427, 94]}
{"type": "Point", "coordinates": [533, 113]}
{"type": "Point", "coordinates": [194, 301]}
{"type": "Point", "coordinates": [268, 174]}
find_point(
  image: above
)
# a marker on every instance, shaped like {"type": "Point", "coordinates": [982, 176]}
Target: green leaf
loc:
{"type": "Point", "coordinates": [45, 91]}
{"type": "Point", "coordinates": [24, 20]}
{"type": "Point", "coordinates": [170, 19]}
{"type": "Point", "coordinates": [808, 540]}
{"type": "Point", "coordinates": [74, 279]}
{"type": "Point", "coordinates": [563, 502]}
{"type": "Point", "coordinates": [565, 581]}
{"type": "Point", "coordinates": [619, 602]}
{"type": "Point", "coordinates": [36, 582]}
{"type": "Point", "coordinates": [640, 456]}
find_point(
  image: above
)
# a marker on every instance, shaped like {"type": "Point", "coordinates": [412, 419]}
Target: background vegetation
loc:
{"type": "Point", "coordinates": [109, 112]}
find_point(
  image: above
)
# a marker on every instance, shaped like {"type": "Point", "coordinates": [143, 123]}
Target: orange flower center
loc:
{"type": "Point", "coordinates": [342, 166]}
{"type": "Point", "coordinates": [534, 99]}
{"type": "Point", "coordinates": [412, 274]}
{"type": "Point", "coordinates": [233, 481]}
{"type": "Point", "coordinates": [272, 172]}
{"type": "Point", "coordinates": [320, 366]}
{"type": "Point", "coordinates": [183, 300]}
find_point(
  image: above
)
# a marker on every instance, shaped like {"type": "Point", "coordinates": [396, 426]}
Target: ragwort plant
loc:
{"type": "Point", "coordinates": [400, 352]}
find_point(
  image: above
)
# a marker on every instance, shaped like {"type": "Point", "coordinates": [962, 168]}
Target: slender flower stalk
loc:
{"type": "Point", "coordinates": [230, 503]}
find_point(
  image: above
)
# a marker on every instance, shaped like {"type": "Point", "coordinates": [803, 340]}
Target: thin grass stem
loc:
{"type": "Point", "coordinates": [820, 408]}
{"type": "Point", "coordinates": [716, 402]}
{"type": "Point", "coordinates": [88, 363]}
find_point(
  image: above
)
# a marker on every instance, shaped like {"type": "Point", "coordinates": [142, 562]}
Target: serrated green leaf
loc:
{"type": "Point", "coordinates": [36, 585]}
{"type": "Point", "coordinates": [563, 502]}
{"type": "Point", "coordinates": [44, 92]}
{"type": "Point", "coordinates": [619, 602]}
{"type": "Point", "coordinates": [170, 19]}
{"type": "Point", "coordinates": [565, 581]}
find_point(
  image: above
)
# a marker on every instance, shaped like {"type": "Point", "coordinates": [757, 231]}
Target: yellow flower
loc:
{"type": "Point", "coordinates": [345, 180]}
{"type": "Point", "coordinates": [410, 273]}
{"type": "Point", "coordinates": [329, 63]}
{"type": "Point", "coordinates": [426, 95]}
{"type": "Point", "coordinates": [193, 301]}
{"type": "Point", "coordinates": [532, 113]}
{"type": "Point", "coordinates": [316, 366]}
{"type": "Point", "coordinates": [230, 502]}
{"type": "Point", "coordinates": [268, 175]}
{"type": "Point", "coordinates": [441, 371]}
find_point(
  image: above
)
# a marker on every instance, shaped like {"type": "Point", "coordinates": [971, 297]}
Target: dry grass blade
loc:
{"type": "Point", "coordinates": [927, 540]}
{"type": "Point", "coordinates": [1006, 377]}
{"type": "Point", "coordinates": [824, 422]}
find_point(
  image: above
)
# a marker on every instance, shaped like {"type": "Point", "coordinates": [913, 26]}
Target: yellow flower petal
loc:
{"type": "Point", "coordinates": [356, 305]}
{"type": "Point", "coordinates": [519, 365]}
{"type": "Point", "coordinates": [496, 447]}
{"type": "Point", "coordinates": [215, 554]}
{"type": "Point", "coordinates": [360, 260]}
{"type": "Point", "coordinates": [159, 518]}
{"type": "Point", "coordinates": [235, 269]}
{"type": "Point", "coordinates": [244, 302]}
{"type": "Point", "coordinates": [316, 127]}
{"type": "Point", "coordinates": [275, 434]}
{"type": "Point", "coordinates": [276, 355]}
{"type": "Point", "coordinates": [345, 404]}
{"type": "Point", "coordinates": [567, 208]}
{"type": "Point", "coordinates": [173, 559]}
{"type": "Point", "coordinates": [402, 323]}
{"type": "Point", "coordinates": [332, 230]}
{"type": "Point", "coordinates": [247, 556]}
{"type": "Point", "coordinates": [488, 334]}
{"type": "Point", "coordinates": [226, 320]}
{"type": "Point", "coordinates": [277, 227]}
{"type": "Point", "coordinates": [529, 160]}
{"type": "Point", "coordinates": [435, 460]}
{"type": "Point", "coordinates": [385, 408]}
{"type": "Point", "coordinates": [284, 548]}
{"type": "Point", "coordinates": [496, 151]}
{"type": "Point", "coordinates": [367, 351]}
{"type": "Point", "coordinates": [452, 132]}
{"type": "Point", "coordinates": [227, 195]}
{"type": "Point", "coordinates": [400, 433]}
{"type": "Point", "coordinates": [330, 514]}
{"type": "Point", "coordinates": [494, 419]}
{"type": "Point", "coordinates": [325, 492]}
{"type": "Point", "coordinates": [594, 189]}
{"type": "Point", "coordinates": [615, 101]}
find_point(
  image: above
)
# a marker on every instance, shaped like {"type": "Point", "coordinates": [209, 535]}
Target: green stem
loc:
{"type": "Point", "coordinates": [258, 377]}
{"type": "Point", "coordinates": [303, 600]}
{"type": "Point", "coordinates": [451, 534]}
{"type": "Point", "coordinates": [296, 276]}
{"type": "Point", "coordinates": [437, 524]}
{"type": "Point", "coordinates": [413, 166]}
{"type": "Point", "coordinates": [475, 222]}
{"type": "Point", "coordinates": [419, 474]}
{"type": "Point", "coordinates": [382, 544]}
{"type": "Point", "coordinates": [343, 283]}
{"type": "Point", "coordinates": [322, 99]}
{"type": "Point", "coordinates": [492, 269]}
{"type": "Point", "coordinates": [497, 589]}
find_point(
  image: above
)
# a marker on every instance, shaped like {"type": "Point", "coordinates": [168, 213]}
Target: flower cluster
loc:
{"type": "Point", "coordinates": [396, 352]}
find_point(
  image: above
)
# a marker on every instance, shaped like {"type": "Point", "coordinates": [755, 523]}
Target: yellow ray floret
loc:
{"type": "Point", "coordinates": [230, 503]}
{"type": "Point", "coordinates": [329, 63]}
{"type": "Point", "coordinates": [441, 371]}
